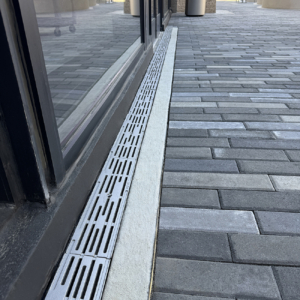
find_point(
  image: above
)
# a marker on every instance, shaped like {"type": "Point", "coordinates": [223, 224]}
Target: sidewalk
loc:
{"type": "Point", "coordinates": [229, 219]}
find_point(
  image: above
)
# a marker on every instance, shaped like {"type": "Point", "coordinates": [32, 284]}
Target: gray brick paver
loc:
{"type": "Point", "coordinates": [266, 249]}
{"type": "Point", "coordinates": [171, 296]}
{"type": "Point", "coordinates": [211, 220]}
{"type": "Point", "coordinates": [281, 223]}
{"type": "Point", "coordinates": [236, 93]}
{"type": "Point", "coordinates": [215, 279]}
{"type": "Point", "coordinates": [200, 165]}
{"type": "Point", "coordinates": [193, 245]}
{"type": "Point", "coordinates": [190, 198]}
{"type": "Point", "coordinates": [258, 200]}
{"type": "Point", "coordinates": [253, 154]}
{"type": "Point", "coordinates": [288, 279]}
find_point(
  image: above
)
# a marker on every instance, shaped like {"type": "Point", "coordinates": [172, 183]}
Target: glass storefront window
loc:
{"type": "Point", "coordinates": [84, 45]}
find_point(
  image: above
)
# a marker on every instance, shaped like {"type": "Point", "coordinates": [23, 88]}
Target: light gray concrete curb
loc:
{"type": "Point", "coordinates": [130, 274]}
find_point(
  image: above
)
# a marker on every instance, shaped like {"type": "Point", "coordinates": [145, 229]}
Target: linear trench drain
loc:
{"type": "Point", "coordinates": [83, 269]}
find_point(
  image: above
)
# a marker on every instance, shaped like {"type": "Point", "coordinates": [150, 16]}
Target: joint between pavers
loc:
{"type": "Point", "coordinates": [272, 182]}
{"type": "Point", "coordinates": [278, 283]}
{"type": "Point", "coordinates": [257, 222]}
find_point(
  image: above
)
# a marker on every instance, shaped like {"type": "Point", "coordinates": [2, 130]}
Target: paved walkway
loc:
{"type": "Point", "coordinates": [229, 219]}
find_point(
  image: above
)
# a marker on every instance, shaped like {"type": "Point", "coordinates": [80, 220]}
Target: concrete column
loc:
{"type": "Point", "coordinates": [210, 6]}
{"type": "Point", "coordinates": [283, 4]}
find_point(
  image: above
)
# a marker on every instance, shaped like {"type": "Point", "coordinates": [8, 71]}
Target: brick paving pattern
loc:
{"type": "Point", "coordinates": [230, 207]}
{"type": "Point", "coordinates": [76, 61]}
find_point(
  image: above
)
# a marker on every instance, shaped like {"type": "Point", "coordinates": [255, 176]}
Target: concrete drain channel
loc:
{"type": "Point", "coordinates": [83, 269]}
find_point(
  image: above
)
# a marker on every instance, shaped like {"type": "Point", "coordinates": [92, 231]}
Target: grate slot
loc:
{"type": "Point", "coordinates": [124, 167]}
{"type": "Point", "coordinates": [137, 140]}
{"type": "Point", "coordinates": [128, 152]}
{"type": "Point", "coordinates": [68, 271]}
{"type": "Point", "coordinates": [109, 212]}
{"type": "Point", "coordinates": [113, 185]}
{"type": "Point", "coordinates": [93, 209]}
{"type": "Point", "coordinates": [115, 166]}
{"type": "Point", "coordinates": [88, 239]}
{"type": "Point", "coordinates": [98, 213]}
{"type": "Point", "coordinates": [108, 185]}
{"type": "Point", "coordinates": [105, 207]}
{"type": "Point", "coordinates": [121, 151]}
{"type": "Point", "coordinates": [129, 167]}
{"type": "Point", "coordinates": [112, 161]}
{"type": "Point", "coordinates": [120, 165]}
{"type": "Point", "coordinates": [96, 282]}
{"type": "Point", "coordinates": [122, 192]}
{"type": "Point", "coordinates": [102, 185]}
{"type": "Point", "coordinates": [117, 210]}
{"type": "Point", "coordinates": [79, 282]}
{"type": "Point", "coordinates": [117, 150]}
{"type": "Point", "coordinates": [133, 152]}
{"type": "Point", "coordinates": [100, 240]}
{"type": "Point", "coordinates": [73, 278]}
{"type": "Point", "coordinates": [81, 237]}
{"type": "Point", "coordinates": [94, 240]}
{"type": "Point", "coordinates": [87, 280]}
{"type": "Point", "coordinates": [108, 239]}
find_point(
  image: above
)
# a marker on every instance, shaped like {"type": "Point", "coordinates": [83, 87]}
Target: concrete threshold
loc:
{"type": "Point", "coordinates": [130, 275]}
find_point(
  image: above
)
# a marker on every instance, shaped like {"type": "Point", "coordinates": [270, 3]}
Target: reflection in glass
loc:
{"type": "Point", "coordinates": [84, 44]}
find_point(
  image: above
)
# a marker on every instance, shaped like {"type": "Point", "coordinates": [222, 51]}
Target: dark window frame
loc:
{"type": "Point", "coordinates": [59, 160]}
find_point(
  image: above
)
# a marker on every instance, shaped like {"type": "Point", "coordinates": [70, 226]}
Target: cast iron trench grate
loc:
{"type": "Point", "coordinates": [83, 269]}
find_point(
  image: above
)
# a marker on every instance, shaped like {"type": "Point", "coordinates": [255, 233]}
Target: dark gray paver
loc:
{"type": "Point", "coordinates": [193, 245]}
{"type": "Point", "coordinates": [215, 279]}
{"type": "Point", "coordinates": [281, 223]}
{"type": "Point", "coordinates": [250, 117]}
{"type": "Point", "coordinates": [265, 144]}
{"type": "Point", "coordinates": [288, 279]}
{"type": "Point", "coordinates": [201, 165]}
{"type": "Point", "coordinates": [185, 99]}
{"type": "Point", "coordinates": [190, 198]}
{"type": "Point", "coordinates": [186, 110]}
{"type": "Point", "coordinates": [266, 249]}
{"type": "Point", "coordinates": [199, 142]}
{"type": "Point", "coordinates": [257, 200]}
{"type": "Point", "coordinates": [188, 152]}
{"type": "Point", "coordinates": [280, 111]}
{"type": "Point", "coordinates": [269, 167]}
{"type": "Point", "coordinates": [170, 296]}
{"type": "Point", "coordinates": [187, 133]}
{"type": "Point", "coordinates": [294, 105]}
{"type": "Point", "coordinates": [195, 117]}
{"type": "Point", "coordinates": [231, 110]}
{"type": "Point", "coordinates": [294, 155]}
{"type": "Point", "coordinates": [217, 181]}
{"type": "Point", "coordinates": [258, 75]}
{"type": "Point", "coordinates": [206, 125]}
{"type": "Point", "coordinates": [272, 126]}
{"type": "Point", "coordinates": [256, 154]}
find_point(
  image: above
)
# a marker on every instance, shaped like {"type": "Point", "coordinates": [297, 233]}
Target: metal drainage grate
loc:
{"type": "Point", "coordinates": [83, 269]}
{"type": "Point", "coordinates": [80, 278]}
